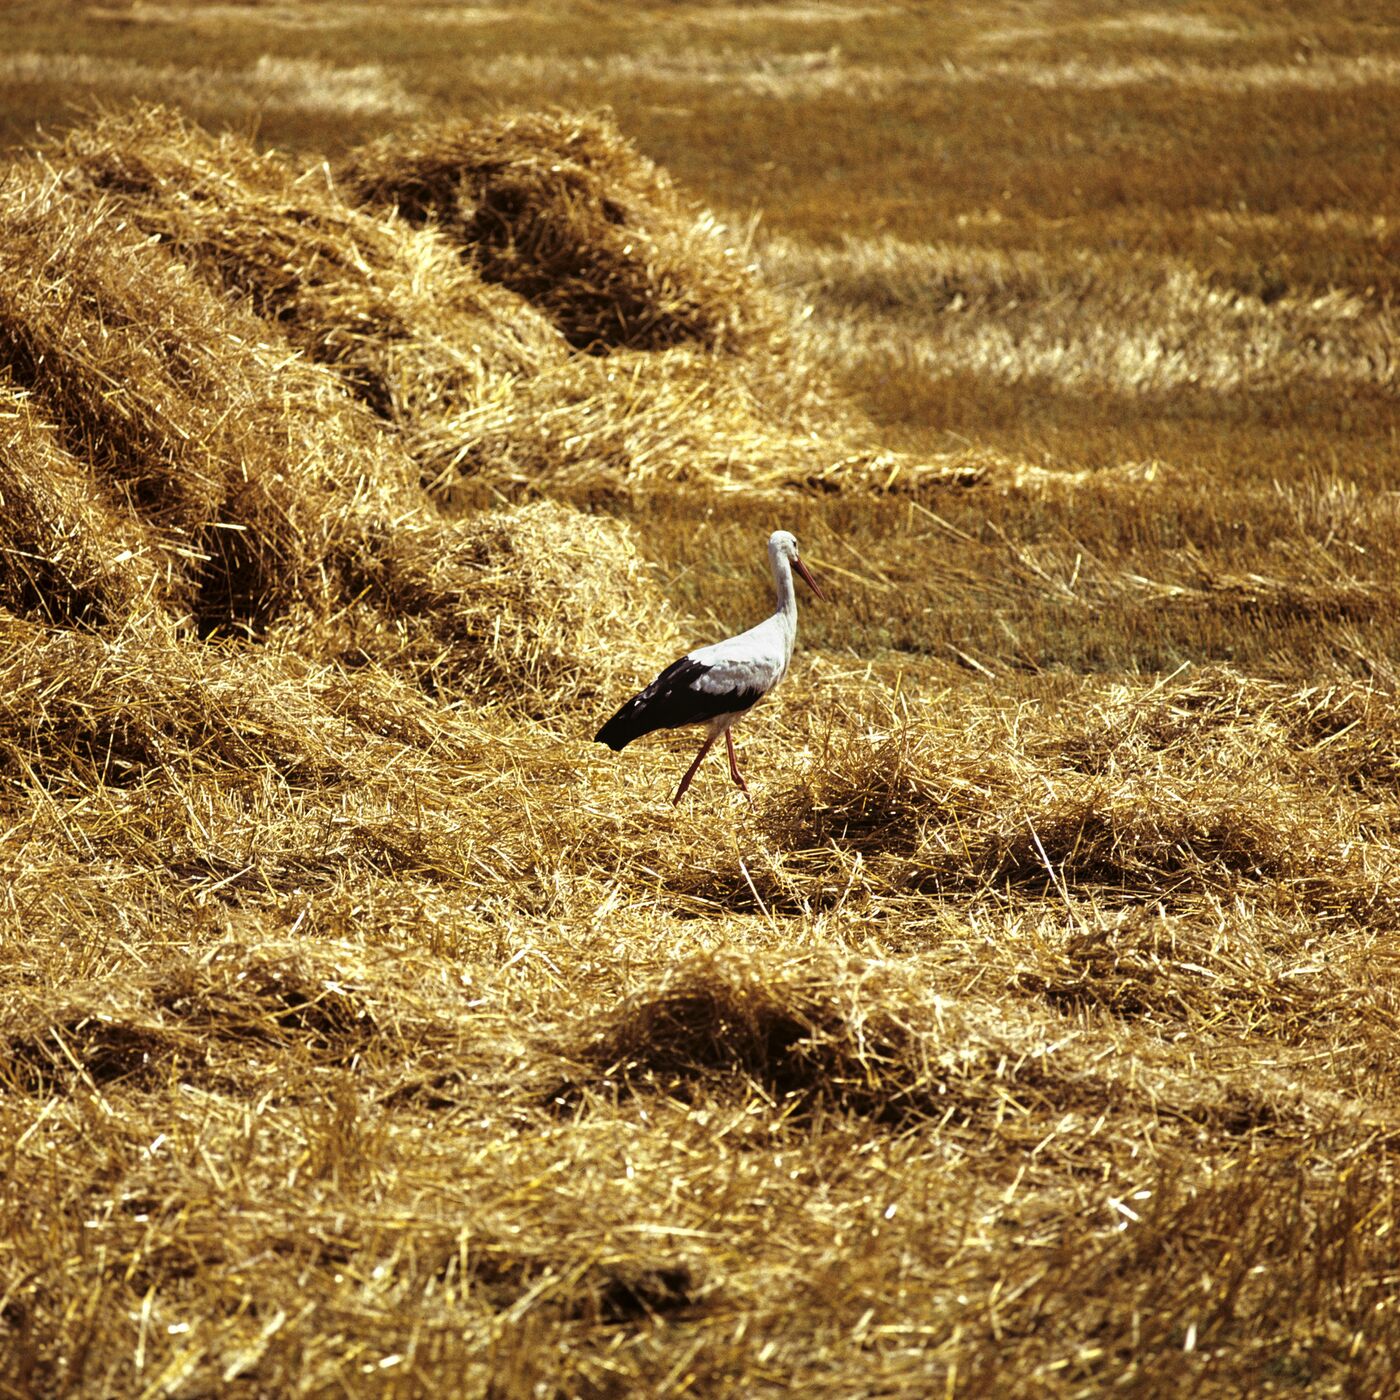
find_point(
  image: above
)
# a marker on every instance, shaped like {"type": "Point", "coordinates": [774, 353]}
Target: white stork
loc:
{"type": "Point", "coordinates": [717, 685]}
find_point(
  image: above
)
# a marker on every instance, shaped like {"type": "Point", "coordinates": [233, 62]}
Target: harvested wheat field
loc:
{"type": "Point", "coordinates": [386, 394]}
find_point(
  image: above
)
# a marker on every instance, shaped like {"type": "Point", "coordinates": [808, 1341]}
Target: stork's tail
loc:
{"type": "Point", "coordinates": [621, 729]}
{"type": "Point", "coordinates": [669, 702]}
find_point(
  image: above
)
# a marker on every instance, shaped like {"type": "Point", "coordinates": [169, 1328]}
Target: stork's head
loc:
{"type": "Point", "coordinates": [782, 545]}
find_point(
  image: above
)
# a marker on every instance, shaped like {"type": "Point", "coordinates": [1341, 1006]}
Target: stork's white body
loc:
{"type": "Point", "coordinates": [756, 660]}
{"type": "Point", "coordinates": [716, 685]}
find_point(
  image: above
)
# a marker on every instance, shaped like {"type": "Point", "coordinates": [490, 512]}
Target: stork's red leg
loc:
{"type": "Point", "coordinates": [690, 772]}
{"type": "Point", "coordinates": [734, 764]}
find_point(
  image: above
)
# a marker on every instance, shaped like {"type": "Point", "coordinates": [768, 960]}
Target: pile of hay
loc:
{"type": "Point", "coordinates": [241, 475]}
{"type": "Point", "coordinates": [451, 314]}
{"type": "Point", "coordinates": [867, 1037]}
{"type": "Point", "coordinates": [69, 552]}
{"type": "Point", "coordinates": [410, 326]}
{"type": "Point", "coordinates": [82, 711]}
{"type": "Point", "coordinates": [536, 607]}
{"type": "Point", "coordinates": [565, 211]}
{"type": "Point", "coordinates": [232, 488]}
{"type": "Point", "coordinates": [703, 381]}
{"type": "Point", "coordinates": [819, 1033]}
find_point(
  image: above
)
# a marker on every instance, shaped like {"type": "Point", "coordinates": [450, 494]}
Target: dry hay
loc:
{"type": "Point", "coordinates": [341, 966]}
{"type": "Point", "coordinates": [238, 485]}
{"type": "Point", "coordinates": [242, 472]}
{"type": "Point", "coordinates": [473, 379]}
{"type": "Point", "coordinates": [70, 553]}
{"type": "Point", "coordinates": [192, 778]}
{"type": "Point", "coordinates": [1259, 597]}
{"type": "Point", "coordinates": [705, 381]}
{"type": "Point", "coordinates": [1208, 973]}
{"type": "Point", "coordinates": [614, 429]}
{"type": "Point", "coordinates": [540, 606]}
{"type": "Point", "coordinates": [408, 324]}
{"type": "Point", "coordinates": [1334, 733]}
{"type": "Point", "coordinates": [78, 711]}
{"type": "Point", "coordinates": [563, 210]}
{"type": "Point", "coordinates": [202, 1018]}
{"type": "Point", "coordinates": [1189, 790]}
{"type": "Point", "coordinates": [380, 1212]}
{"type": "Point", "coordinates": [524, 617]}
{"type": "Point", "coordinates": [1126, 324]}
{"type": "Point", "coordinates": [806, 1035]}
{"type": "Point", "coordinates": [866, 1037]}
{"type": "Point", "coordinates": [272, 85]}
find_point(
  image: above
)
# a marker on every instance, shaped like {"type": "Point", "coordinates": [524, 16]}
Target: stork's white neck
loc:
{"type": "Point", "coordinates": [786, 594]}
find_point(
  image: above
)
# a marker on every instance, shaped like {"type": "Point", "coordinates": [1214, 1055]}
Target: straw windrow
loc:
{"type": "Point", "coordinates": [410, 326]}
{"type": "Point", "coordinates": [564, 211]}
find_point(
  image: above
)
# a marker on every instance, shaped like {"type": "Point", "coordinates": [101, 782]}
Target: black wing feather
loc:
{"type": "Point", "coordinates": [672, 701]}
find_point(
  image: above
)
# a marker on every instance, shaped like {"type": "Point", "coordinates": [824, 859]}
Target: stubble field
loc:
{"type": "Point", "coordinates": [377, 411]}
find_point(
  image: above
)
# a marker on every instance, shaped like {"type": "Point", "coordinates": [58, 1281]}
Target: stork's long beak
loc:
{"type": "Point", "coordinates": [807, 574]}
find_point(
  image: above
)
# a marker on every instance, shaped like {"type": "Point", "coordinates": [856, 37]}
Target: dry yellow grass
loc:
{"type": "Point", "coordinates": [367, 1029]}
